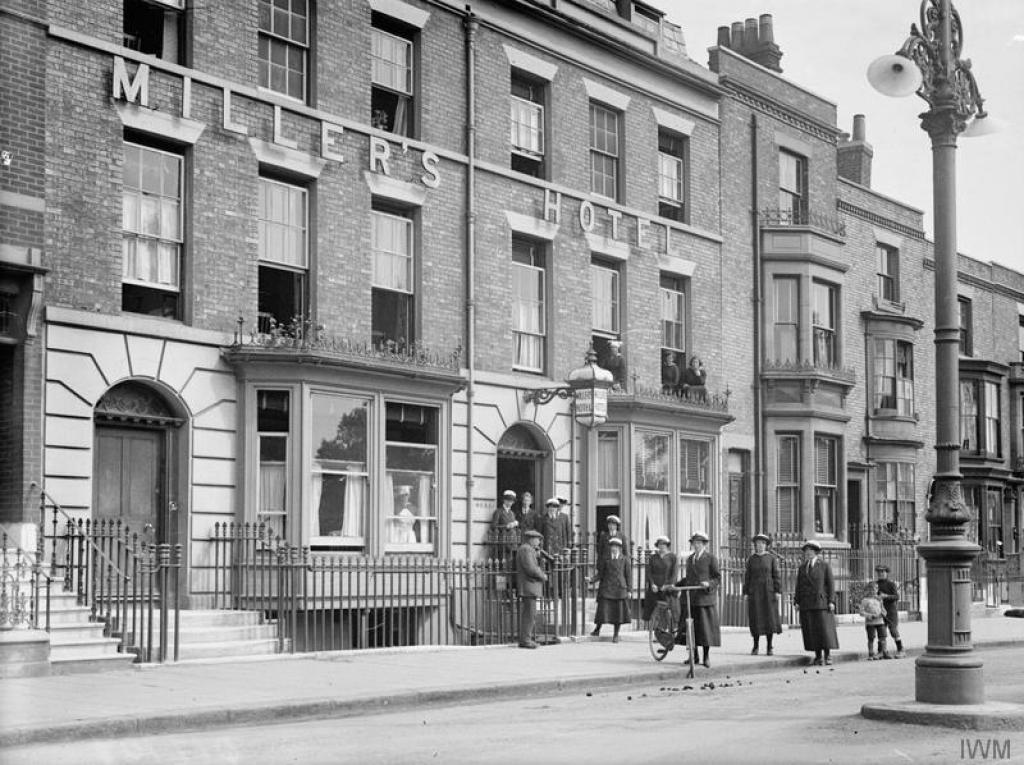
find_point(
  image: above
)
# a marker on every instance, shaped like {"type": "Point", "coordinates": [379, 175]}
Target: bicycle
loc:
{"type": "Point", "coordinates": [661, 633]}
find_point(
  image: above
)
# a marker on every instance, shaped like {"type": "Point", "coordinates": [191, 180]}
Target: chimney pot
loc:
{"type": "Point", "coordinates": [858, 127]}
{"type": "Point", "coordinates": [767, 32]}
{"type": "Point", "coordinates": [750, 35]}
{"type": "Point", "coordinates": [724, 37]}
{"type": "Point", "coordinates": [737, 36]}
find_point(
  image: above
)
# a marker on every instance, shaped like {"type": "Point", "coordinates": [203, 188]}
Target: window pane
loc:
{"type": "Point", "coordinates": [651, 462]}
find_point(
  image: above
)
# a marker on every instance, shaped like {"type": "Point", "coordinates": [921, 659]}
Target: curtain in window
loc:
{"type": "Point", "coordinates": [693, 516]}
{"type": "Point", "coordinates": [425, 529]}
{"type": "Point", "coordinates": [651, 518]}
{"type": "Point", "coordinates": [271, 489]}
{"type": "Point", "coordinates": [355, 497]}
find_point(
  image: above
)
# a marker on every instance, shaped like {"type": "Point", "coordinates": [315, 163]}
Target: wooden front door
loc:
{"type": "Point", "coordinates": [130, 479]}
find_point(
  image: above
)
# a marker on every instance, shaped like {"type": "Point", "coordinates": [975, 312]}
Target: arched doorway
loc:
{"type": "Point", "coordinates": [523, 465]}
{"type": "Point", "coordinates": [134, 465]}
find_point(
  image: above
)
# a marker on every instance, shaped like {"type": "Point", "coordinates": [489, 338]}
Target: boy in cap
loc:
{"type": "Point", "coordinates": [889, 594]}
{"type": "Point", "coordinates": [874, 623]}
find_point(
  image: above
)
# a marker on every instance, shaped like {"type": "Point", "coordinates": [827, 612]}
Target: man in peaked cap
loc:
{"type": "Point", "coordinates": [556, 528]}
{"type": "Point", "coordinates": [530, 580]}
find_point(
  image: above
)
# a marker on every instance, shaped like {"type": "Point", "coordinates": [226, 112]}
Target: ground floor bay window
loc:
{"type": "Point", "coordinates": [672, 478]}
{"type": "Point", "coordinates": [346, 471]}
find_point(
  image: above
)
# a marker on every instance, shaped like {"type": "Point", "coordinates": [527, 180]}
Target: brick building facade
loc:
{"type": "Point", "coordinates": [300, 264]}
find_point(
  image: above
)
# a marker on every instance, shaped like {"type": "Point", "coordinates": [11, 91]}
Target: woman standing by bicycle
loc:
{"type": "Point", "coordinates": [702, 571]}
{"type": "Point", "coordinates": [762, 587]}
{"type": "Point", "coordinates": [661, 572]}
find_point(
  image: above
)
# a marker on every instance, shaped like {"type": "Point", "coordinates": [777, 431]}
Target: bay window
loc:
{"type": "Point", "coordinates": [410, 477]}
{"type": "Point", "coordinates": [339, 473]}
{"type": "Point", "coordinates": [651, 470]}
{"type": "Point", "coordinates": [894, 376]}
{"type": "Point", "coordinates": [787, 484]}
{"type": "Point", "coordinates": [786, 325]}
{"type": "Point", "coordinates": [272, 429]}
{"type": "Point", "coordinates": [823, 320]}
{"type": "Point", "coordinates": [826, 470]}
{"type": "Point", "coordinates": [895, 508]}
{"type": "Point", "coordinates": [694, 487]}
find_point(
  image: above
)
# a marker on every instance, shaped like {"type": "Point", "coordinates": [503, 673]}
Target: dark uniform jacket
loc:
{"type": "Point", "coordinates": [557, 532]}
{"type": "Point", "coordinates": [501, 518]}
{"type": "Point", "coordinates": [702, 569]}
{"type": "Point", "coordinates": [529, 575]}
{"type": "Point", "coordinates": [815, 590]}
{"type": "Point", "coordinates": [613, 578]}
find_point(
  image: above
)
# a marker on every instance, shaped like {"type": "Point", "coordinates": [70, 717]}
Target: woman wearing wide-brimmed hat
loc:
{"type": "Point", "coordinates": [702, 571]}
{"type": "Point", "coordinates": [815, 596]}
{"type": "Point", "coordinates": [661, 573]}
{"type": "Point", "coordinates": [762, 587]}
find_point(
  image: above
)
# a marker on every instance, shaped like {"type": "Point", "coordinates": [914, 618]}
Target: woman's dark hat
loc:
{"type": "Point", "coordinates": [701, 536]}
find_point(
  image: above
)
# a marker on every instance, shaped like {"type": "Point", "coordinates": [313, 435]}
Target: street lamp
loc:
{"type": "Point", "coordinates": [929, 63]}
{"type": "Point", "coordinates": [587, 385]}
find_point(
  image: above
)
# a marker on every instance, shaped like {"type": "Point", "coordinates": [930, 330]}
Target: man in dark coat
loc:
{"type": "Point", "coordinates": [504, 527]}
{"type": "Point", "coordinates": [612, 579]}
{"type": "Point", "coordinates": [702, 571]}
{"type": "Point", "coordinates": [889, 594]}
{"type": "Point", "coordinates": [556, 527]}
{"type": "Point", "coordinates": [815, 596]}
{"type": "Point", "coordinates": [530, 580]}
{"type": "Point", "coordinates": [762, 587]}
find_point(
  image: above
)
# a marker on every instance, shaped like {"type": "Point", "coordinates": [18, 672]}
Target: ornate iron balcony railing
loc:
{"type": "Point", "coordinates": [305, 336]}
{"type": "Point", "coordinates": [697, 398]}
{"type": "Point", "coordinates": [802, 216]}
{"type": "Point", "coordinates": [805, 368]}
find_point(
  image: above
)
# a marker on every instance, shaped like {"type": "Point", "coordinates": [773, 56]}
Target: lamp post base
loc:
{"type": "Point", "coordinates": [952, 679]}
{"type": "Point", "coordinates": [994, 715]}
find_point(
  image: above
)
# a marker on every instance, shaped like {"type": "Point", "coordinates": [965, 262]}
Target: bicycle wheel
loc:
{"type": "Point", "coordinates": [659, 633]}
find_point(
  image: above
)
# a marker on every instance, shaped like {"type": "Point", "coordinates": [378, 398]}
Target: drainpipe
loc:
{"type": "Point", "coordinates": [471, 25]}
{"type": "Point", "coordinates": [761, 515]}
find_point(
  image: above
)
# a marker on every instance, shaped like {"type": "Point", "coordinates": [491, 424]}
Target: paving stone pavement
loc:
{"type": "Point", "coordinates": [206, 694]}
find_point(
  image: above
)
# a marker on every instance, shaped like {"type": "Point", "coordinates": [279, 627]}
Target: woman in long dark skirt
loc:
{"type": "Point", "coordinates": [762, 587]}
{"type": "Point", "coordinates": [612, 579]}
{"type": "Point", "coordinates": [815, 596]}
{"type": "Point", "coordinates": [661, 572]}
{"type": "Point", "coordinates": [701, 571]}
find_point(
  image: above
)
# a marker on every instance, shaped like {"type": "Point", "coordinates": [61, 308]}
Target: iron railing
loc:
{"type": "Point", "coordinates": [852, 569]}
{"type": "Point", "coordinates": [324, 601]}
{"type": "Point", "coordinates": [24, 588]}
{"type": "Point", "coordinates": [127, 582]}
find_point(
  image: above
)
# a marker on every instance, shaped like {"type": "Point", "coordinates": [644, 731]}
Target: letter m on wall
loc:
{"type": "Point", "coordinates": [133, 90]}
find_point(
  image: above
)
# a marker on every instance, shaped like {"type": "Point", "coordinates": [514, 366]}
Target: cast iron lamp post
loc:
{"type": "Point", "coordinates": [949, 672]}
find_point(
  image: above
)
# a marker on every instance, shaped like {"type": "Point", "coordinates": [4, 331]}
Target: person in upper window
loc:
{"type": "Point", "coordinates": [694, 379]}
{"type": "Point", "coordinates": [670, 373]}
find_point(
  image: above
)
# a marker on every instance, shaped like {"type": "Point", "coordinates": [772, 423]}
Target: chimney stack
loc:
{"type": "Point", "coordinates": [853, 156]}
{"type": "Point", "coordinates": [754, 39]}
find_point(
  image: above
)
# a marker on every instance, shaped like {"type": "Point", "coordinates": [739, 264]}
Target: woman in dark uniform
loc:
{"type": "Point", "coordinates": [661, 572]}
{"type": "Point", "coordinates": [612, 590]}
{"type": "Point", "coordinates": [815, 596]}
{"type": "Point", "coordinates": [604, 537]}
{"type": "Point", "coordinates": [762, 587]}
{"type": "Point", "coordinates": [701, 571]}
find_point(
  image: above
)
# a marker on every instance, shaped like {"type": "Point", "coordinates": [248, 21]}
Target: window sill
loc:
{"type": "Point", "coordinates": [890, 414]}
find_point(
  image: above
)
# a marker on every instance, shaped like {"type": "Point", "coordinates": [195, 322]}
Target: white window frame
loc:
{"type": "Point", "coordinates": [888, 271]}
{"type": "Point", "coordinates": [826, 486]}
{"type": "Point", "coordinates": [824, 328]}
{"type": "Point", "coordinates": [381, 65]}
{"type": "Point", "coordinates": [605, 284]}
{"type": "Point", "coordinates": [600, 149]}
{"type": "Point", "coordinates": [790, 486]}
{"type": "Point", "coordinates": [396, 257]}
{"type": "Point", "coordinates": [289, 43]}
{"type": "Point", "coordinates": [522, 307]}
{"type": "Point", "coordinates": [133, 231]}
{"type": "Point", "coordinates": [673, 313]}
{"type": "Point", "coordinates": [283, 224]}
{"type": "Point", "coordinates": [790, 318]}
{"type": "Point", "coordinates": [895, 496]}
